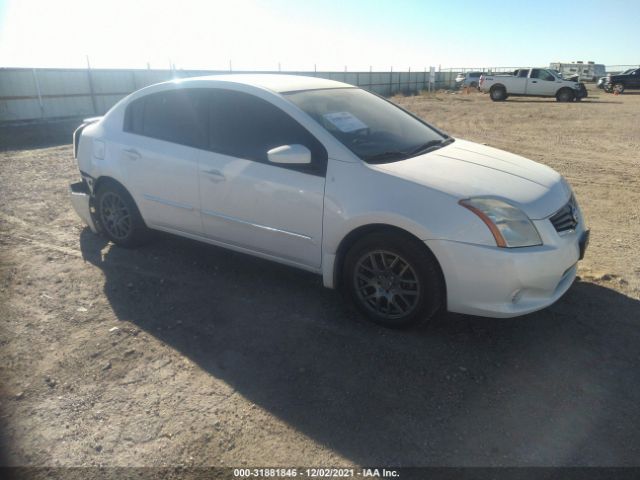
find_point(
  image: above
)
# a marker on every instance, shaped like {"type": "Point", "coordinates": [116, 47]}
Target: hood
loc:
{"type": "Point", "coordinates": [466, 169]}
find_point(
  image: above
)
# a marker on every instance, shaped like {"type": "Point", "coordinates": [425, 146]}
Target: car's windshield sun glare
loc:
{"type": "Point", "coordinates": [371, 127]}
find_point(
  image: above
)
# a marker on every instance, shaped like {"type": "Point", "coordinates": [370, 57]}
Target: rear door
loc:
{"type": "Point", "coordinates": [517, 84]}
{"type": "Point", "coordinates": [164, 133]}
{"type": "Point", "coordinates": [247, 201]}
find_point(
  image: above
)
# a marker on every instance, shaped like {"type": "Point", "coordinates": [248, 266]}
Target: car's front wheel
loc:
{"type": "Point", "coordinates": [618, 88]}
{"type": "Point", "coordinates": [393, 279]}
{"type": "Point", "coordinates": [565, 95]}
{"type": "Point", "coordinates": [119, 218]}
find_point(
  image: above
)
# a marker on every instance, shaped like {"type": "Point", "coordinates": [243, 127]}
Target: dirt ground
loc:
{"type": "Point", "coordinates": [185, 354]}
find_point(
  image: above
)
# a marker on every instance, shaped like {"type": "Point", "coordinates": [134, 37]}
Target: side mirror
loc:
{"type": "Point", "coordinates": [290, 154]}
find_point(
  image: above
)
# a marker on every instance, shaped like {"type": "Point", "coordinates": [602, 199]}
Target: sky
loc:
{"type": "Point", "coordinates": [308, 34]}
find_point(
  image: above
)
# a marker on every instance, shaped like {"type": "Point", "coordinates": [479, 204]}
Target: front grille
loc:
{"type": "Point", "coordinates": [567, 217]}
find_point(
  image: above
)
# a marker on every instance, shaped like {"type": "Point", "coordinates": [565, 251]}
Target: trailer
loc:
{"type": "Point", "coordinates": [586, 71]}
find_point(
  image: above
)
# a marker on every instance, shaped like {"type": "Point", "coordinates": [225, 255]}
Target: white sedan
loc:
{"type": "Point", "coordinates": [326, 177]}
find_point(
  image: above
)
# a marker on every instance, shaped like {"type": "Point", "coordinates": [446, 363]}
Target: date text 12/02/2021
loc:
{"type": "Point", "coordinates": [314, 473]}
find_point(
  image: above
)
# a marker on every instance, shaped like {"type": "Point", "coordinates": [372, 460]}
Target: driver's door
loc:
{"type": "Point", "coordinates": [635, 79]}
{"type": "Point", "coordinates": [250, 203]}
{"type": "Point", "coordinates": [541, 82]}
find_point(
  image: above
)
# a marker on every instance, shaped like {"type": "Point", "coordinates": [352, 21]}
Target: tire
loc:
{"type": "Point", "coordinates": [565, 95]}
{"type": "Point", "coordinates": [473, 85]}
{"type": "Point", "coordinates": [119, 218]}
{"type": "Point", "coordinates": [498, 94]}
{"type": "Point", "coordinates": [618, 88]}
{"type": "Point", "coordinates": [393, 279]}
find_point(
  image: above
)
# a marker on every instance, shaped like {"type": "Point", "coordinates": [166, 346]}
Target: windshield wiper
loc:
{"type": "Point", "coordinates": [391, 155]}
{"type": "Point", "coordinates": [429, 146]}
{"type": "Point", "coordinates": [384, 156]}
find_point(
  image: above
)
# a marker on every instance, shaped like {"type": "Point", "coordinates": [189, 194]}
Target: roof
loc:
{"type": "Point", "coordinates": [274, 82]}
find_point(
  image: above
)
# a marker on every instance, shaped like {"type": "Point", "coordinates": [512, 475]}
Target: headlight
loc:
{"type": "Point", "coordinates": [509, 225]}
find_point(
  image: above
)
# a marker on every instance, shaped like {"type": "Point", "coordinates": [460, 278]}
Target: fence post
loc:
{"type": "Point", "coordinates": [35, 80]}
{"type": "Point", "coordinates": [91, 89]}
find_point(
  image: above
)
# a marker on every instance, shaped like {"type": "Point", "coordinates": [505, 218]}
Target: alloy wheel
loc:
{"type": "Point", "coordinates": [115, 216]}
{"type": "Point", "coordinates": [386, 284]}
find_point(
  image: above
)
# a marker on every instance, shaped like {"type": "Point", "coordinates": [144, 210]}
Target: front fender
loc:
{"type": "Point", "coordinates": [359, 195]}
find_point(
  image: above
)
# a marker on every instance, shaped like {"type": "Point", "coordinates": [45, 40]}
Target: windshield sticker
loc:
{"type": "Point", "coordinates": [345, 121]}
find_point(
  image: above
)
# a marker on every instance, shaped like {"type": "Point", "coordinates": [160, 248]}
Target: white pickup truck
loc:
{"type": "Point", "coordinates": [532, 82]}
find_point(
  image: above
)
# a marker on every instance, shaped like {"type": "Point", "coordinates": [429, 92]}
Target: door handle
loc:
{"type": "Point", "coordinates": [534, 81]}
{"type": "Point", "coordinates": [215, 175]}
{"type": "Point", "coordinates": [132, 153]}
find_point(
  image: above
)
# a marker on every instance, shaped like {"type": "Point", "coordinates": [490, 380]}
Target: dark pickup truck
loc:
{"type": "Point", "coordinates": [620, 83]}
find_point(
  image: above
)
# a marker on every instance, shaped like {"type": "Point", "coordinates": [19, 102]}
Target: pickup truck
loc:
{"type": "Point", "coordinates": [532, 82]}
{"type": "Point", "coordinates": [630, 79]}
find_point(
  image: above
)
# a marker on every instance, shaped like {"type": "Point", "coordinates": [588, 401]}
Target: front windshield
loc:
{"type": "Point", "coordinates": [374, 129]}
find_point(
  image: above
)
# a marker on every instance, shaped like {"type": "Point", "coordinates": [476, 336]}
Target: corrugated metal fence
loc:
{"type": "Point", "coordinates": [50, 93]}
{"type": "Point", "coordinates": [43, 94]}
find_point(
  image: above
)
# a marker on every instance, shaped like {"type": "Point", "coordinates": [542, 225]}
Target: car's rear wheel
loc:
{"type": "Point", "coordinates": [393, 280]}
{"type": "Point", "coordinates": [119, 217]}
{"type": "Point", "coordinates": [473, 84]}
{"type": "Point", "coordinates": [565, 95]}
{"type": "Point", "coordinates": [498, 94]}
{"type": "Point", "coordinates": [618, 88]}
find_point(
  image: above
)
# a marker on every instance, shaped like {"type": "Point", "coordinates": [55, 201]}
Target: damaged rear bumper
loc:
{"type": "Point", "coordinates": [81, 201]}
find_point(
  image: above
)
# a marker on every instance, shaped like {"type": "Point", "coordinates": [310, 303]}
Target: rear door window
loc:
{"type": "Point", "coordinates": [176, 116]}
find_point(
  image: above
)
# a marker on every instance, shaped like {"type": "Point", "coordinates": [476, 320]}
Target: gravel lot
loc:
{"type": "Point", "coordinates": [185, 354]}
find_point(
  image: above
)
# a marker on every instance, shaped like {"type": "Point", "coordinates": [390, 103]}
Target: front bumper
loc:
{"type": "Point", "coordinates": [501, 282]}
{"type": "Point", "coordinates": [582, 92]}
{"type": "Point", "coordinates": [81, 201]}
